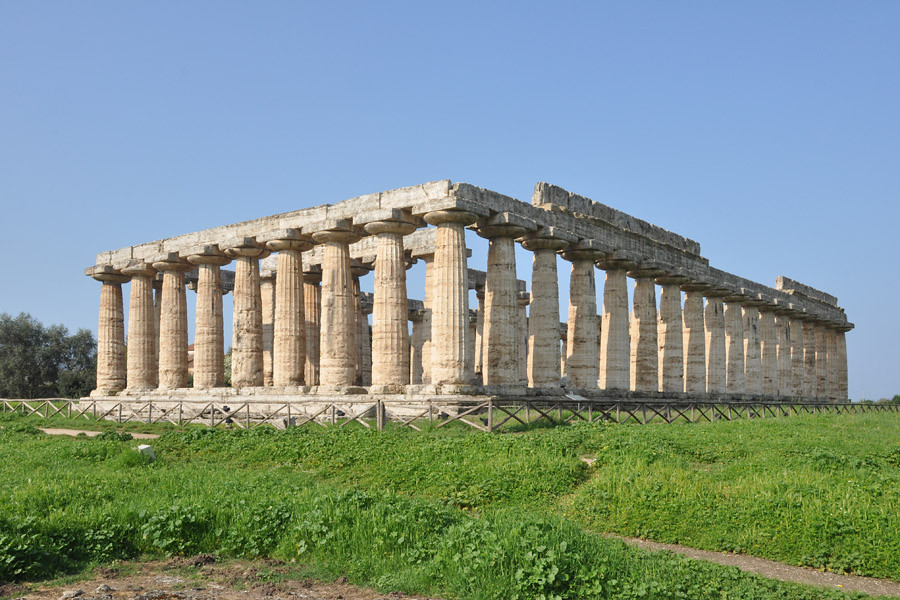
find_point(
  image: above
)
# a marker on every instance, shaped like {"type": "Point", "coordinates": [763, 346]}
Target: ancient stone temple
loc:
{"type": "Point", "coordinates": [301, 324]}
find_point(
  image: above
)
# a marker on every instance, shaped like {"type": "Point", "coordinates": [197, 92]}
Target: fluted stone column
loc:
{"type": "Point", "coordinates": [312, 309]}
{"type": "Point", "coordinates": [337, 340]}
{"type": "Point", "coordinates": [798, 364]}
{"type": "Point", "coordinates": [768, 350]}
{"type": "Point", "coordinates": [111, 374]}
{"type": "Point", "coordinates": [821, 339]}
{"type": "Point", "coordinates": [543, 360]}
{"type": "Point", "coordinates": [831, 341]}
{"type": "Point", "coordinates": [363, 336]}
{"type": "Point", "coordinates": [428, 318]}
{"type": "Point", "coordinates": [582, 350]}
{"type": "Point", "coordinates": [524, 299]}
{"type": "Point", "coordinates": [564, 342]}
{"type": "Point", "coordinates": [783, 341]}
{"type": "Point", "coordinates": [735, 383]}
{"type": "Point", "coordinates": [157, 310]}
{"type": "Point", "coordinates": [809, 357]}
{"type": "Point", "coordinates": [141, 359]}
{"type": "Point", "coordinates": [694, 338]}
{"type": "Point", "coordinates": [670, 335]}
{"type": "Point", "coordinates": [479, 335]}
{"type": "Point", "coordinates": [289, 323]}
{"type": "Point", "coordinates": [450, 301]}
{"type": "Point", "coordinates": [615, 344]}
{"type": "Point", "coordinates": [644, 331]}
{"type": "Point", "coordinates": [843, 389]}
{"type": "Point", "coordinates": [173, 333]}
{"type": "Point", "coordinates": [752, 347]}
{"type": "Point", "coordinates": [716, 343]}
{"type": "Point", "coordinates": [417, 340]}
{"type": "Point", "coordinates": [390, 333]}
{"type": "Point", "coordinates": [247, 338]}
{"type": "Point", "coordinates": [267, 297]}
{"type": "Point", "coordinates": [501, 310]}
{"type": "Point", "coordinates": [470, 342]}
{"type": "Point", "coordinates": [209, 335]}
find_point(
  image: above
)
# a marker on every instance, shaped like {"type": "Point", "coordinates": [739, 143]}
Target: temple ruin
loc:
{"type": "Point", "coordinates": [301, 328]}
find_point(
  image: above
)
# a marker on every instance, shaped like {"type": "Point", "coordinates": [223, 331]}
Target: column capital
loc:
{"type": "Point", "coordinates": [646, 269]}
{"type": "Point", "coordinates": [672, 279]}
{"type": "Point", "coordinates": [286, 239]}
{"type": "Point", "coordinates": [207, 255]}
{"type": "Point", "coordinates": [359, 268]}
{"type": "Point", "coordinates": [388, 220]}
{"type": "Point", "coordinates": [171, 261]}
{"type": "Point", "coordinates": [333, 230]}
{"type": "Point", "coordinates": [246, 247]}
{"type": "Point", "coordinates": [754, 299]}
{"type": "Point", "coordinates": [523, 298]}
{"type": "Point", "coordinates": [439, 217]}
{"type": "Point", "coordinates": [312, 274]}
{"type": "Point", "coordinates": [106, 274]}
{"type": "Point", "coordinates": [695, 285]}
{"type": "Point", "coordinates": [504, 224]}
{"type": "Point", "coordinates": [415, 314]}
{"type": "Point", "coordinates": [138, 268]}
{"type": "Point", "coordinates": [583, 250]}
{"type": "Point", "coordinates": [548, 238]}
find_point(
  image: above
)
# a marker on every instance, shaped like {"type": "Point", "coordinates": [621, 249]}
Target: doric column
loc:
{"type": "Point", "coordinates": [501, 311]}
{"type": "Point", "coordinates": [821, 339]}
{"type": "Point", "coordinates": [479, 335]}
{"type": "Point", "coordinates": [523, 300]}
{"type": "Point", "coordinates": [337, 339]}
{"type": "Point", "coordinates": [809, 356]}
{"type": "Point", "coordinates": [157, 311]}
{"type": "Point", "coordinates": [615, 343]}
{"type": "Point", "coordinates": [209, 335]}
{"type": "Point", "coordinates": [716, 346]}
{"type": "Point", "coordinates": [831, 341]}
{"type": "Point", "coordinates": [543, 368]}
{"type": "Point", "coordinates": [798, 364]}
{"type": "Point", "coordinates": [842, 387]}
{"type": "Point", "coordinates": [247, 338]}
{"type": "Point", "coordinates": [694, 338]}
{"type": "Point", "coordinates": [141, 359]}
{"type": "Point", "coordinates": [312, 309]}
{"type": "Point", "coordinates": [670, 334]}
{"type": "Point", "coordinates": [110, 331]}
{"type": "Point", "coordinates": [173, 330]}
{"type": "Point", "coordinates": [582, 349]}
{"type": "Point", "coordinates": [359, 269]}
{"type": "Point", "coordinates": [752, 346]}
{"type": "Point", "coordinates": [783, 342]}
{"type": "Point", "coordinates": [644, 331]}
{"type": "Point", "coordinates": [289, 322]}
{"type": "Point", "coordinates": [390, 333]}
{"type": "Point", "coordinates": [428, 317]}
{"type": "Point", "coordinates": [417, 340]}
{"type": "Point", "coordinates": [768, 349]}
{"type": "Point", "coordinates": [267, 297]}
{"type": "Point", "coordinates": [564, 342]}
{"type": "Point", "coordinates": [735, 383]}
{"type": "Point", "coordinates": [450, 300]}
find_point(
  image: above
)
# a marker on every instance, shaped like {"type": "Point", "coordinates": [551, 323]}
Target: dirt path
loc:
{"type": "Point", "coordinates": [776, 570]}
{"type": "Point", "coordinates": [197, 578]}
{"type": "Point", "coordinates": [74, 432]}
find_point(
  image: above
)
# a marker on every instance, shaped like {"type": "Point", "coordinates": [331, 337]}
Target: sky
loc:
{"type": "Point", "coordinates": [766, 131]}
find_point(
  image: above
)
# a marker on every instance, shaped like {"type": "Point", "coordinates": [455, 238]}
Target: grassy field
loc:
{"type": "Point", "coordinates": [469, 515]}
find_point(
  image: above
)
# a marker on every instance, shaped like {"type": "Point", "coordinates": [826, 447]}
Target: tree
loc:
{"type": "Point", "coordinates": [40, 362]}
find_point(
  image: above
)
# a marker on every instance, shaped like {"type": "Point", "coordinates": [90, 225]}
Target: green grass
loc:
{"type": "Point", "coordinates": [469, 515]}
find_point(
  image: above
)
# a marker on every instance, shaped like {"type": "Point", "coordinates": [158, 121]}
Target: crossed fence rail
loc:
{"type": "Point", "coordinates": [488, 414]}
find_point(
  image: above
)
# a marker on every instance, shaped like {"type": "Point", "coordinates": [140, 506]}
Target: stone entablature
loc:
{"type": "Point", "coordinates": [336, 244]}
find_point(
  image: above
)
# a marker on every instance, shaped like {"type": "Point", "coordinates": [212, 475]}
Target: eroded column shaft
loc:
{"type": "Point", "coordinates": [752, 351]}
{"type": "Point", "coordinates": [173, 332]}
{"type": "Point", "coordinates": [428, 317]}
{"type": "Point", "coordinates": [716, 354]}
{"type": "Point", "coordinates": [111, 373]}
{"type": "Point", "coordinates": [615, 344]}
{"type": "Point", "coordinates": [337, 340]}
{"type": "Point", "coordinates": [289, 335]}
{"type": "Point", "coordinates": [694, 343]}
{"type": "Point", "coordinates": [543, 326]}
{"type": "Point", "coordinates": [141, 359]}
{"type": "Point", "coordinates": [209, 335]}
{"type": "Point", "coordinates": [644, 345]}
{"type": "Point", "coordinates": [768, 352]}
{"type": "Point", "coordinates": [734, 338]}
{"type": "Point", "coordinates": [267, 297]}
{"type": "Point", "coordinates": [312, 297]}
{"type": "Point", "coordinates": [247, 338]}
{"type": "Point", "coordinates": [501, 317]}
{"type": "Point", "coordinates": [798, 364]}
{"type": "Point", "coordinates": [821, 340]}
{"type": "Point", "coordinates": [809, 359]}
{"type": "Point", "coordinates": [670, 338]}
{"type": "Point", "coordinates": [581, 353]}
{"type": "Point", "coordinates": [390, 332]}
{"type": "Point", "coordinates": [783, 341]}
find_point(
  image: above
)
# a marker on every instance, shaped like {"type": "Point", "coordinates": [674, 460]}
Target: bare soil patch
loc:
{"type": "Point", "coordinates": [197, 578]}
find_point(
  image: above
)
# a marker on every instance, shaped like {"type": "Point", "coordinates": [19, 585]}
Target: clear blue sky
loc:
{"type": "Point", "coordinates": [766, 131]}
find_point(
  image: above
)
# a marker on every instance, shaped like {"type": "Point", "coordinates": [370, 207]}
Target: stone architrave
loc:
{"type": "Point", "coordinates": [267, 297]}
{"type": "Point", "coordinates": [716, 344]}
{"type": "Point", "coordinates": [289, 323]}
{"type": "Point", "coordinates": [209, 336]}
{"type": "Point", "coordinates": [615, 343]}
{"type": "Point", "coordinates": [247, 335]}
{"type": "Point", "coordinates": [735, 382]}
{"type": "Point", "coordinates": [450, 300]}
{"type": "Point", "coordinates": [798, 365]}
{"type": "Point", "coordinates": [390, 332]}
{"type": "Point", "coordinates": [337, 339]}
{"type": "Point", "coordinates": [752, 347]}
{"type": "Point", "coordinates": [809, 357]}
{"type": "Point", "coordinates": [768, 350]}
{"type": "Point", "coordinates": [582, 352]}
{"type": "Point", "coordinates": [111, 373]}
{"type": "Point", "coordinates": [694, 338]}
{"type": "Point", "coordinates": [543, 368]}
{"type": "Point", "coordinates": [173, 327]}
{"type": "Point", "coordinates": [141, 359]}
{"type": "Point", "coordinates": [820, 332]}
{"type": "Point", "coordinates": [670, 334]}
{"type": "Point", "coordinates": [644, 331]}
{"type": "Point", "coordinates": [501, 309]}
{"type": "Point", "coordinates": [312, 309]}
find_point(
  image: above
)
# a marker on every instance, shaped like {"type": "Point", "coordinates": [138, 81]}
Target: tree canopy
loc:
{"type": "Point", "coordinates": [38, 361]}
